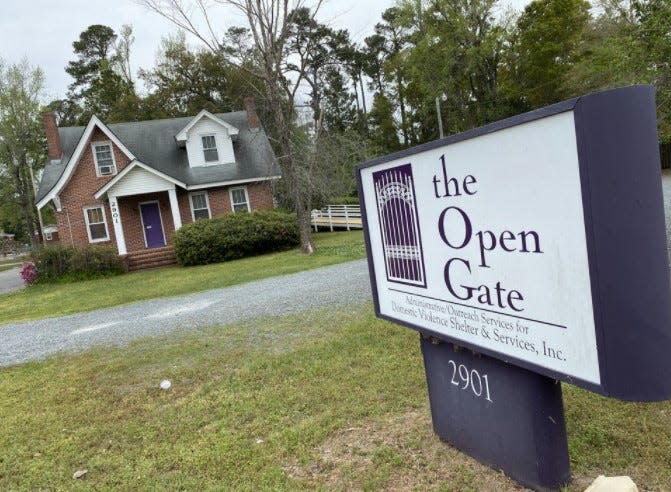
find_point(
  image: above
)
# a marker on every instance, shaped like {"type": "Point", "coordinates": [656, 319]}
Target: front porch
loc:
{"type": "Point", "coordinates": [144, 208]}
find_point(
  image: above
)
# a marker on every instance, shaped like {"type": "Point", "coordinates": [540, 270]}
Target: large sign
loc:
{"type": "Point", "coordinates": [539, 240]}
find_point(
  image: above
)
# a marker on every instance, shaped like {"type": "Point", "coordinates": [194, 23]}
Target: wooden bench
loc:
{"type": "Point", "coordinates": [337, 216]}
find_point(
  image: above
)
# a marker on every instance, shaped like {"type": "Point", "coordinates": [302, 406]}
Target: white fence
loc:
{"type": "Point", "coordinates": [337, 216]}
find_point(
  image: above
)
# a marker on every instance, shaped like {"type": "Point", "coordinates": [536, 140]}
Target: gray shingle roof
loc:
{"type": "Point", "coordinates": [153, 143]}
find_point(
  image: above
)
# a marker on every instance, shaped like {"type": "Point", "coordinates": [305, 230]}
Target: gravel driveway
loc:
{"type": "Point", "coordinates": [10, 280]}
{"type": "Point", "coordinates": [340, 286]}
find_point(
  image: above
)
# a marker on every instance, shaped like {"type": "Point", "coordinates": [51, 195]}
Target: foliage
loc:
{"type": "Point", "coordinates": [29, 273]}
{"type": "Point", "coordinates": [382, 128]}
{"type": "Point", "coordinates": [345, 200]}
{"type": "Point", "coordinates": [21, 145]}
{"type": "Point", "coordinates": [12, 218]}
{"type": "Point", "coordinates": [545, 47]}
{"type": "Point", "coordinates": [235, 236]}
{"type": "Point", "coordinates": [185, 81]}
{"type": "Point", "coordinates": [329, 161]}
{"type": "Point", "coordinates": [102, 83]}
{"type": "Point", "coordinates": [385, 62]}
{"type": "Point", "coordinates": [627, 43]}
{"type": "Point", "coordinates": [70, 263]}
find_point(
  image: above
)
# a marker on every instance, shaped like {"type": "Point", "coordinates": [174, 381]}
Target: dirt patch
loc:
{"type": "Point", "coordinates": [400, 453]}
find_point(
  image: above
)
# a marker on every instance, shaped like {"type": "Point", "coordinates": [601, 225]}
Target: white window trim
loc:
{"type": "Point", "coordinates": [160, 216]}
{"type": "Point", "coordinates": [95, 157]}
{"type": "Point", "coordinates": [48, 236]}
{"type": "Point", "coordinates": [230, 195]}
{"type": "Point", "coordinates": [207, 203]}
{"type": "Point", "coordinates": [217, 146]}
{"type": "Point", "coordinates": [88, 226]}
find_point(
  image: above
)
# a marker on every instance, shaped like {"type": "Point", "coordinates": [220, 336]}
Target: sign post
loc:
{"type": "Point", "coordinates": [504, 416]}
{"type": "Point", "coordinates": [539, 242]}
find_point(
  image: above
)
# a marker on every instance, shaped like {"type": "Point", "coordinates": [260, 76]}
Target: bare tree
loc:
{"type": "Point", "coordinates": [270, 23]}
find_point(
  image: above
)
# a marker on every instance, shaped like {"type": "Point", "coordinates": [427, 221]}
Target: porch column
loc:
{"type": "Point", "coordinates": [118, 229]}
{"type": "Point", "coordinates": [174, 207]}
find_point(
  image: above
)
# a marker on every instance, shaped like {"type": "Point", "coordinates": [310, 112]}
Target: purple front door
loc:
{"type": "Point", "coordinates": [151, 223]}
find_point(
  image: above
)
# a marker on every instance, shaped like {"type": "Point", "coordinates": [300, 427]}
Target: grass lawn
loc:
{"type": "Point", "coordinates": [9, 263]}
{"type": "Point", "coordinates": [8, 266]}
{"type": "Point", "coordinates": [327, 400]}
{"type": "Point", "coordinates": [41, 301]}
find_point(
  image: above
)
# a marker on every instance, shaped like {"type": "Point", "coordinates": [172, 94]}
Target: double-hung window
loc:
{"type": "Point", "coordinates": [96, 225]}
{"type": "Point", "coordinates": [104, 159]}
{"type": "Point", "coordinates": [239, 199]}
{"type": "Point", "coordinates": [210, 148]}
{"type": "Point", "coordinates": [200, 206]}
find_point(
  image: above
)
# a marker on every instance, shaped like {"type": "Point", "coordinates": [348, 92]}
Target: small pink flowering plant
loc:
{"type": "Point", "coordinates": [29, 273]}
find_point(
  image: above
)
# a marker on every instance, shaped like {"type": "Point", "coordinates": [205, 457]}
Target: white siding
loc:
{"type": "Point", "coordinates": [194, 144]}
{"type": "Point", "coordinates": [139, 181]}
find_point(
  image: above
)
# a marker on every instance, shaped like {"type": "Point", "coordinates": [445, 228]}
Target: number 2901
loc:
{"type": "Point", "coordinates": [464, 379]}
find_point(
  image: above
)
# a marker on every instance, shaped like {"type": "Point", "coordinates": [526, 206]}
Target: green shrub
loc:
{"type": "Point", "coordinates": [344, 200]}
{"type": "Point", "coordinates": [70, 263]}
{"type": "Point", "coordinates": [235, 236]}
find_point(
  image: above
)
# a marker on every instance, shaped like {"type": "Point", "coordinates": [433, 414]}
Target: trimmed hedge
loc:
{"type": "Point", "coordinates": [344, 200]}
{"type": "Point", "coordinates": [69, 263]}
{"type": "Point", "coordinates": [234, 236]}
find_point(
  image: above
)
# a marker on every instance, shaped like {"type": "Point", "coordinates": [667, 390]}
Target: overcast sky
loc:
{"type": "Point", "coordinates": [43, 30]}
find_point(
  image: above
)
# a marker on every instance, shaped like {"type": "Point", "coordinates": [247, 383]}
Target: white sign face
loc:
{"type": "Point", "coordinates": [484, 241]}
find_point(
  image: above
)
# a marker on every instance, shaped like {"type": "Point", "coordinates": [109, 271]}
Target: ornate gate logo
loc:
{"type": "Point", "coordinates": [399, 225]}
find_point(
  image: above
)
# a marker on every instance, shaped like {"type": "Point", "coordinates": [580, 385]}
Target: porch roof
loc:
{"type": "Point", "coordinates": [136, 179]}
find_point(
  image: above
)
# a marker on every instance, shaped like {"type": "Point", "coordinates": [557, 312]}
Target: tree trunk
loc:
{"type": "Point", "coordinates": [305, 230]}
{"type": "Point", "coordinates": [289, 166]}
{"type": "Point", "coordinates": [24, 199]}
{"type": "Point", "coordinates": [401, 102]}
{"type": "Point", "coordinates": [363, 94]}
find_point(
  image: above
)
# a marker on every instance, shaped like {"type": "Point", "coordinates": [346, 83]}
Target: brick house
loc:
{"type": "Point", "coordinates": [131, 185]}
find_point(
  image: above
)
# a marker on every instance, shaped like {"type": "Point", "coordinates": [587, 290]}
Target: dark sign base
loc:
{"type": "Point", "coordinates": [506, 417]}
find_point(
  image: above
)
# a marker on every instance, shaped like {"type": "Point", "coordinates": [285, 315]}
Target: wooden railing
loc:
{"type": "Point", "coordinates": [337, 216]}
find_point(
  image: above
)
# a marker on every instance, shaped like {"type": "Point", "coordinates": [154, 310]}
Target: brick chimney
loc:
{"type": "Point", "coordinates": [252, 117]}
{"type": "Point", "coordinates": [53, 140]}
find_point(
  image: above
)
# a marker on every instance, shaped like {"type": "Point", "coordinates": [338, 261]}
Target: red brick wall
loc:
{"type": "Point", "coordinates": [260, 195]}
{"type": "Point", "coordinates": [260, 198]}
{"type": "Point", "coordinates": [54, 149]}
{"type": "Point", "coordinates": [78, 193]}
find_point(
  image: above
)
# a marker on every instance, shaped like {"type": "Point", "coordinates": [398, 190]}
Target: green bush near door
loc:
{"type": "Point", "coordinates": [235, 236]}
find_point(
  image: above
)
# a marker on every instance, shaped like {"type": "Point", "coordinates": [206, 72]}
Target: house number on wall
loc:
{"type": "Point", "coordinates": [464, 379]}
{"type": "Point", "coordinates": [115, 211]}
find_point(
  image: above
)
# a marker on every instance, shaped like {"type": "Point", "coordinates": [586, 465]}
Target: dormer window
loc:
{"type": "Point", "coordinates": [210, 148]}
{"type": "Point", "coordinates": [103, 157]}
{"type": "Point", "coordinates": [208, 140]}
